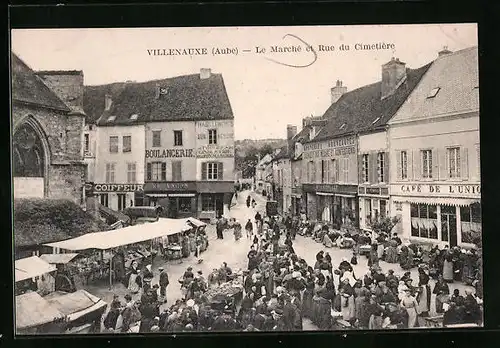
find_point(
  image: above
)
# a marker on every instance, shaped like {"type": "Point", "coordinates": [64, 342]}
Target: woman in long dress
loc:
{"type": "Point", "coordinates": [373, 256]}
{"type": "Point", "coordinates": [424, 293]}
{"type": "Point", "coordinates": [347, 301]}
{"type": "Point", "coordinates": [133, 283]}
{"type": "Point", "coordinates": [448, 267]}
{"type": "Point", "coordinates": [392, 252]}
{"type": "Point", "coordinates": [442, 292]}
{"type": "Point", "coordinates": [360, 298]}
{"type": "Point", "coordinates": [410, 304]}
{"type": "Point", "coordinates": [327, 241]}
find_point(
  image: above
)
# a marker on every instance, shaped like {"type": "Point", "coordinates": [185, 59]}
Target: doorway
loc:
{"type": "Point", "coordinates": [449, 225]}
{"type": "Point", "coordinates": [122, 201]}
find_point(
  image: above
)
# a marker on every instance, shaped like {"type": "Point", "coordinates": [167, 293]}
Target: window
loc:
{"type": "Point", "coordinates": [375, 121]}
{"type": "Point", "coordinates": [104, 199]}
{"type": "Point", "coordinates": [433, 92]}
{"type": "Point", "coordinates": [333, 171]}
{"type": "Point", "coordinates": [86, 142]}
{"type": "Point", "coordinates": [453, 154]}
{"type": "Point", "coordinates": [127, 143]}
{"type": "Point", "coordinates": [324, 171]}
{"type": "Point", "coordinates": [368, 211]}
{"type": "Point", "coordinates": [403, 159]}
{"type": "Point", "coordinates": [212, 136]}
{"type": "Point", "coordinates": [380, 166]}
{"type": "Point", "coordinates": [111, 118]}
{"type": "Point", "coordinates": [184, 204]}
{"type": "Point", "coordinates": [365, 168]}
{"type": "Point", "coordinates": [207, 202]}
{"type": "Point", "coordinates": [345, 169]}
{"type": "Point", "coordinates": [212, 171]}
{"type": "Point", "coordinates": [426, 164]}
{"type": "Point", "coordinates": [343, 126]}
{"type": "Point", "coordinates": [157, 171]}
{"type": "Point", "coordinates": [157, 138]}
{"type": "Point", "coordinates": [470, 218]}
{"type": "Point", "coordinates": [310, 171]}
{"type": "Point", "coordinates": [131, 170]}
{"type": "Point", "coordinates": [383, 207]}
{"type": "Point", "coordinates": [176, 170]}
{"type": "Point", "coordinates": [424, 221]}
{"type": "Point", "coordinates": [113, 144]}
{"type": "Point", "coordinates": [134, 117]}
{"type": "Point", "coordinates": [110, 173]}
{"type": "Point", "coordinates": [122, 201]}
{"type": "Point", "coordinates": [478, 154]}
{"type": "Point", "coordinates": [178, 138]}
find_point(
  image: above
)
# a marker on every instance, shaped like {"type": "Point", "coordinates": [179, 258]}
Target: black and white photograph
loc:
{"type": "Point", "coordinates": [239, 179]}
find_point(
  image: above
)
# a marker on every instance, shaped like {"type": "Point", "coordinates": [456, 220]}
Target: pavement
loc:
{"type": "Point", "coordinates": [234, 253]}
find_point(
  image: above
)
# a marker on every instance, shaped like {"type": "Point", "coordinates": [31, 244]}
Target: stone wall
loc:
{"type": "Point", "coordinates": [66, 181]}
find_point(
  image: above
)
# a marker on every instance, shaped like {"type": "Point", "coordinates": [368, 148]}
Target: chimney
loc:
{"type": "Point", "coordinates": [337, 91]}
{"type": "Point", "coordinates": [444, 52]}
{"type": "Point", "coordinates": [393, 74]}
{"type": "Point", "coordinates": [107, 102]}
{"type": "Point", "coordinates": [68, 85]}
{"type": "Point", "coordinates": [291, 131]}
{"type": "Point", "coordinates": [205, 73]}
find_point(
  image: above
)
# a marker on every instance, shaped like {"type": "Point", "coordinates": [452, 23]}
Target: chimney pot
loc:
{"type": "Point", "coordinates": [205, 73]}
{"type": "Point", "coordinates": [337, 91]}
{"type": "Point", "coordinates": [444, 51]}
{"type": "Point", "coordinates": [393, 73]}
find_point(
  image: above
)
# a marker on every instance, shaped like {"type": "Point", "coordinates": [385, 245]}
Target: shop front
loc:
{"type": "Point", "coordinates": [332, 203]}
{"type": "Point", "coordinates": [373, 205]}
{"type": "Point", "coordinates": [214, 198]}
{"type": "Point", "coordinates": [116, 196]}
{"type": "Point", "coordinates": [439, 214]}
{"type": "Point", "coordinates": [178, 199]}
{"type": "Point", "coordinates": [297, 204]}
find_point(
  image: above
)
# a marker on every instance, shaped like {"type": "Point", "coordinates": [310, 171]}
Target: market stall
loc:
{"type": "Point", "coordinates": [70, 275]}
{"type": "Point", "coordinates": [33, 273]}
{"type": "Point", "coordinates": [227, 296]}
{"type": "Point", "coordinates": [35, 315]}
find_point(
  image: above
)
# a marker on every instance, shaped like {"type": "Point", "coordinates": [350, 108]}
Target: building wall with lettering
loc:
{"type": "Point", "coordinates": [437, 136]}
{"type": "Point", "coordinates": [222, 151]}
{"type": "Point", "coordinates": [169, 152]}
{"type": "Point", "coordinates": [120, 159]}
{"type": "Point", "coordinates": [342, 150]}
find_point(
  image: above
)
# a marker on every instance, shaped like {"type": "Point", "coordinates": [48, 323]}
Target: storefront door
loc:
{"type": "Point", "coordinates": [449, 225]}
{"type": "Point", "coordinates": [122, 201]}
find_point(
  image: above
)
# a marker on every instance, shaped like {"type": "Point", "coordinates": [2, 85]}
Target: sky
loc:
{"type": "Point", "coordinates": [265, 96]}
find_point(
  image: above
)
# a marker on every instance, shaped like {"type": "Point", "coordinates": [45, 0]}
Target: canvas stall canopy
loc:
{"type": "Point", "coordinates": [76, 304]}
{"type": "Point", "coordinates": [58, 259]}
{"type": "Point", "coordinates": [33, 310]}
{"type": "Point", "coordinates": [124, 236]}
{"type": "Point", "coordinates": [32, 267]}
{"type": "Point", "coordinates": [196, 222]}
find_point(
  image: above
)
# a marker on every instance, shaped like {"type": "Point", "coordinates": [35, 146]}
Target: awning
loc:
{"type": "Point", "coordinates": [58, 258]}
{"type": "Point", "coordinates": [461, 202]}
{"type": "Point", "coordinates": [124, 236]}
{"type": "Point", "coordinates": [196, 222]}
{"type": "Point", "coordinates": [160, 195]}
{"type": "Point", "coordinates": [325, 194]}
{"type": "Point", "coordinates": [33, 310]}
{"type": "Point", "coordinates": [181, 195]}
{"type": "Point", "coordinates": [345, 195]}
{"type": "Point", "coordinates": [32, 267]}
{"type": "Point", "coordinates": [76, 304]}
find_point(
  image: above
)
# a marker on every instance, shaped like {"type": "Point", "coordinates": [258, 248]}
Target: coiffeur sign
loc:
{"type": "Point", "coordinates": [109, 188]}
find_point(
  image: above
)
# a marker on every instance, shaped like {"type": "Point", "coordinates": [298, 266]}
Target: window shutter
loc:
{"type": "Point", "coordinates": [204, 171]}
{"type": "Point", "coordinates": [176, 171]}
{"type": "Point", "coordinates": [372, 168]}
{"type": "Point", "coordinates": [220, 171]}
{"type": "Point", "coordinates": [399, 165]}
{"type": "Point", "coordinates": [148, 171]}
{"type": "Point", "coordinates": [409, 164]}
{"type": "Point", "coordinates": [360, 169]}
{"type": "Point", "coordinates": [337, 170]}
{"type": "Point", "coordinates": [464, 163]}
{"type": "Point", "coordinates": [435, 164]}
{"type": "Point", "coordinates": [417, 165]}
{"type": "Point", "coordinates": [386, 167]}
{"type": "Point", "coordinates": [443, 163]}
{"type": "Point", "coordinates": [164, 171]}
{"type": "Point", "coordinates": [478, 162]}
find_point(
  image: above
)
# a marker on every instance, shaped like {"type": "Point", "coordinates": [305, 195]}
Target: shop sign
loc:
{"type": "Point", "coordinates": [454, 190]}
{"type": "Point", "coordinates": [215, 151]}
{"type": "Point", "coordinates": [214, 124]}
{"type": "Point", "coordinates": [373, 191]}
{"type": "Point", "coordinates": [169, 153]}
{"type": "Point", "coordinates": [330, 188]}
{"type": "Point", "coordinates": [169, 186]}
{"type": "Point", "coordinates": [329, 152]}
{"type": "Point", "coordinates": [107, 188]}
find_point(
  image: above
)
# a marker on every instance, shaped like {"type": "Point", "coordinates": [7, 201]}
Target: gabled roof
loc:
{"type": "Point", "coordinates": [363, 110]}
{"type": "Point", "coordinates": [187, 98]}
{"type": "Point", "coordinates": [27, 87]}
{"type": "Point", "coordinates": [454, 79]}
{"type": "Point", "coordinates": [94, 99]}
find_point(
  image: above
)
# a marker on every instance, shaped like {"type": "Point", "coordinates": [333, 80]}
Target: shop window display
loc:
{"type": "Point", "coordinates": [424, 221]}
{"type": "Point", "coordinates": [470, 217]}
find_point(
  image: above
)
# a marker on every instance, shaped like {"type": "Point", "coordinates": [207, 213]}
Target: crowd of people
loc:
{"type": "Point", "coordinates": [279, 288]}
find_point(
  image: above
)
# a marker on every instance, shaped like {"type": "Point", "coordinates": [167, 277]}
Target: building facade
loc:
{"type": "Point", "coordinates": [435, 154]}
{"type": "Point", "coordinates": [47, 129]}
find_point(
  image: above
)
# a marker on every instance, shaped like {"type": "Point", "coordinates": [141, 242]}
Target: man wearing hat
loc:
{"type": "Point", "coordinates": [164, 281]}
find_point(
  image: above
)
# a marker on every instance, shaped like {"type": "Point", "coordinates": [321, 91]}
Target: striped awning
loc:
{"type": "Point", "coordinates": [462, 202]}
{"type": "Point", "coordinates": [181, 195]}
{"type": "Point", "coordinates": [162, 195]}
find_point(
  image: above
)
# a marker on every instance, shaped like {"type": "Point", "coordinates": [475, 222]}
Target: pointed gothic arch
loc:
{"type": "Point", "coordinates": [30, 151]}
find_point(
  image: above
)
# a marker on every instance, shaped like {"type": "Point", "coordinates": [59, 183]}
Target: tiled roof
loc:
{"type": "Point", "coordinates": [187, 98]}
{"type": "Point", "coordinates": [457, 76]}
{"type": "Point", "coordinates": [362, 109]}
{"type": "Point", "coordinates": [94, 99]}
{"type": "Point", "coordinates": [27, 87]}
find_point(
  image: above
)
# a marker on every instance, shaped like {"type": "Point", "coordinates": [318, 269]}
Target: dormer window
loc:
{"type": "Point", "coordinates": [375, 121]}
{"type": "Point", "coordinates": [111, 118]}
{"type": "Point", "coordinates": [342, 127]}
{"type": "Point", "coordinates": [134, 117]}
{"type": "Point", "coordinates": [163, 90]}
{"type": "Point", "coordinates": [433, 92]}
